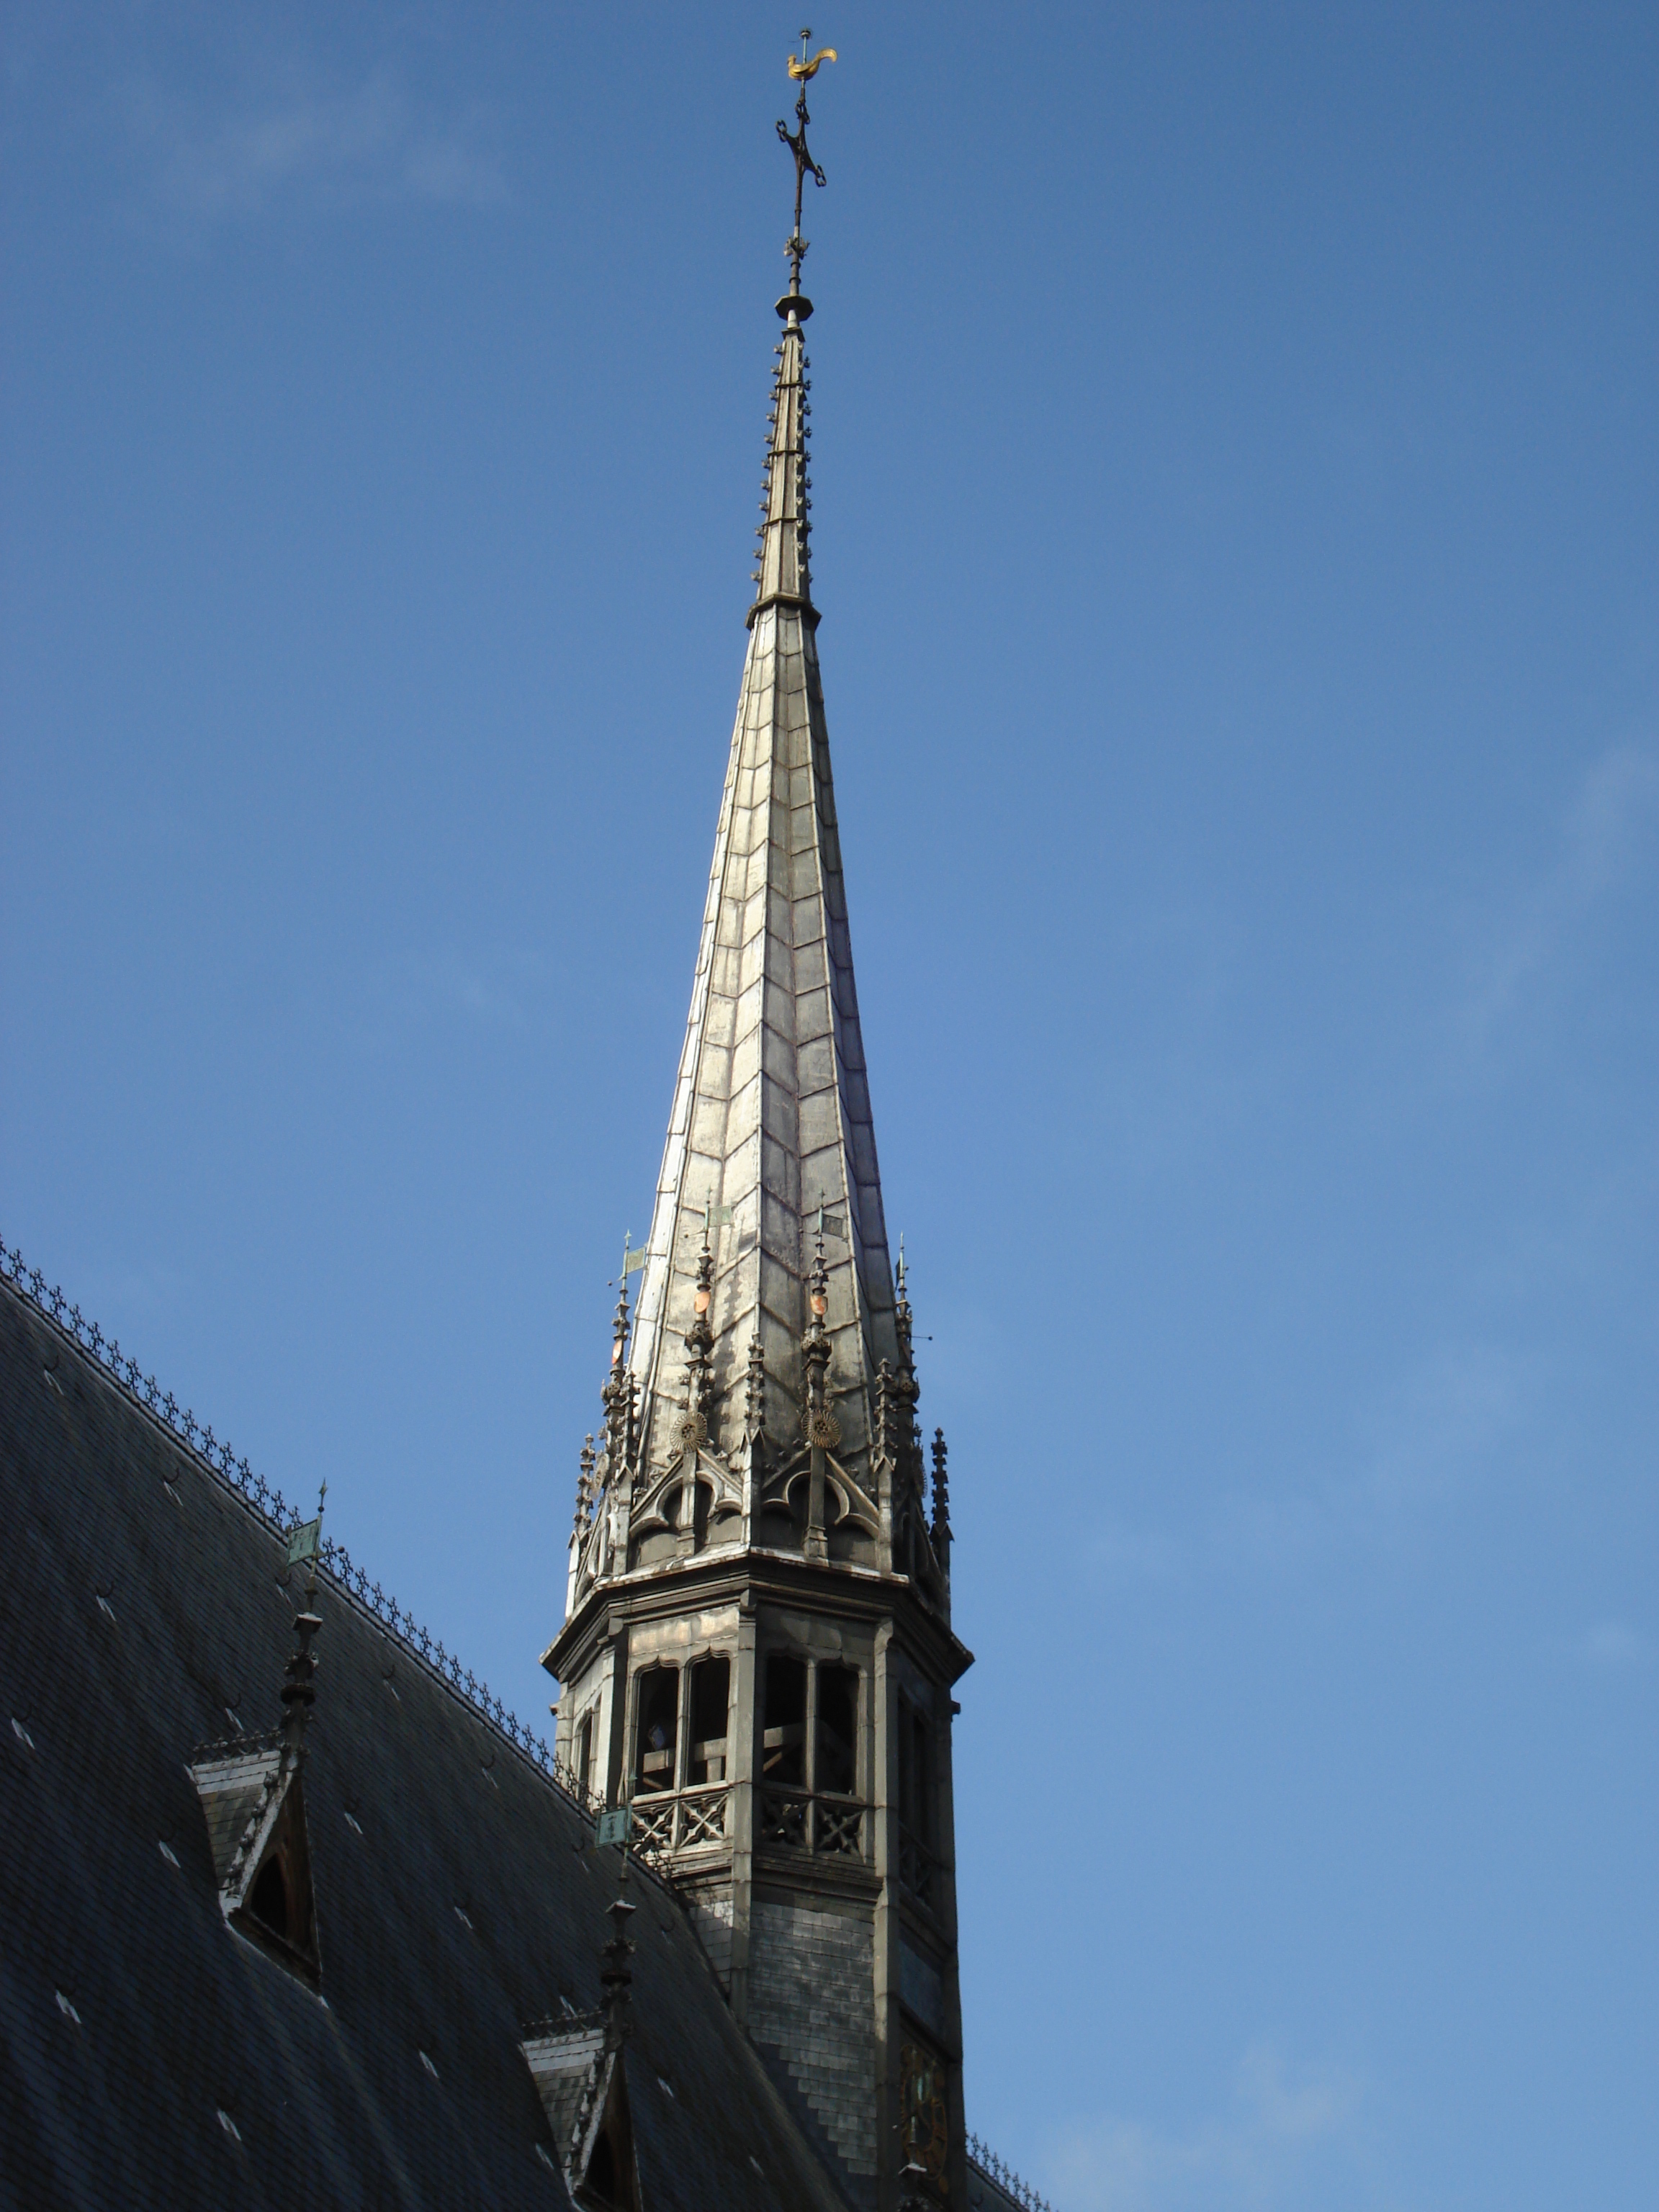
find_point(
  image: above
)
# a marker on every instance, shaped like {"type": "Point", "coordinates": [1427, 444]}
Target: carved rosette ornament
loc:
{"type": "Point", "coordinates": [821, 1428]}
{"type": "Point", "coordinates": [688, 1435]}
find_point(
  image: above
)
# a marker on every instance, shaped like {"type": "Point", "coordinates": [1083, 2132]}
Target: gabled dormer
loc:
{"type": "Point", "coordinates": [253, 1794]}
{"type": "Point", "coordinates": [252, 1791]}
{"type": "Point", "coordinates": [578, 2065]}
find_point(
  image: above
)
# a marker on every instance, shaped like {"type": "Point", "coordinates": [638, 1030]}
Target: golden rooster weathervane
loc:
{"type": "Point", "coordinates": [802, 70]}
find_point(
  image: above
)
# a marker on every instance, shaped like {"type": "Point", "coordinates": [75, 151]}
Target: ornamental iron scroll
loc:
{"type": "Point", "coordinates": [925, 2116]}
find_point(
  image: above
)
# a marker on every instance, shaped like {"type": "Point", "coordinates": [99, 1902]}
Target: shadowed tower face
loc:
{"type": "Point", "coordinates": [757, 1655]}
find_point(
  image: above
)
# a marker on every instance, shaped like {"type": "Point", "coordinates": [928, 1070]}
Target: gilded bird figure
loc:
{"type": "Point", "coordinates": [802, 69]}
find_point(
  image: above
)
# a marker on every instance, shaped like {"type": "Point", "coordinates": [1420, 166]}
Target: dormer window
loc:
{"type": "Point", "coordinates": [253, 1794]}
{"type": "Point", "coordinates": [268, 1899]}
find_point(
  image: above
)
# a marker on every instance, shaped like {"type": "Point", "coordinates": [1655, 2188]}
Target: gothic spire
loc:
{"type": "Point", "coordinates": [771, 1128]}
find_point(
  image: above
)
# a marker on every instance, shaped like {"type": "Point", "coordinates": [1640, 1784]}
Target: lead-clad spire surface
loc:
{"type": "Point", "coordinates": [771, 1116]}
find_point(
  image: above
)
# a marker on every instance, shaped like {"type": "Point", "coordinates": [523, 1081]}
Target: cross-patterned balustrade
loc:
{"type": "Point", "coordinates": [683, 1821]}
{"type": "Point", "coordinates": [796, 1819]}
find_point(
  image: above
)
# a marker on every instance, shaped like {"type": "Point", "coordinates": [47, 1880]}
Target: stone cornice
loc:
{"type": "Point", "coordinates": [714, 1578]}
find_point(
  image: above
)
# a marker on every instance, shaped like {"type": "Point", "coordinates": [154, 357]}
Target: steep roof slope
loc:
{"type": "Point", "coordinates": [403, 2084]}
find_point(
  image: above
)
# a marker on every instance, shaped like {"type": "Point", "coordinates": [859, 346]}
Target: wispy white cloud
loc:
{"type": "Point", "coordinates": [1284, 2128]}
{"type": "Point", "coordinates": [1607, 842]}
{"type": "Point", "coordinates": [1615, 1645]}
{"type": "Point", "coordinates": [492, 990]}
{"type": "Point", "coordinates": [299, 141]}
{"type": "Point", "coordinates": [1437, 1433]}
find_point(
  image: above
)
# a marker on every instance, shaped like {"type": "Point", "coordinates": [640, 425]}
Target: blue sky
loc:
{"type": "Point", "coordinates": [1236, 489]}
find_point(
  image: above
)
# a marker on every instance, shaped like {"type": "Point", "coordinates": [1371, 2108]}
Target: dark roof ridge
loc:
{"type": "Point", "coordinates": [215, 1459]}
{"type": "Point", "coordinates": [984, 2160]}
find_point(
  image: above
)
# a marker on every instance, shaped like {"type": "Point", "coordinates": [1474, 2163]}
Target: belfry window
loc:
{"type": "Point", "coordinates": [783, 1731]}
{"type": "Point", "coordinates": [916, 1790]}
{"type": "Point", "coordinates": [584, 1752]}
{"type": "Point", "coordinates": [809, 1760]}
{"type": "Point", "coordinates": [836, 1764]}
{"type": "Point", "coordinates": [705, 1753]}
{"type": "Point", "coordinates": [658, 1729]}
{"type": "Point", "coordinates": [681, 1757]}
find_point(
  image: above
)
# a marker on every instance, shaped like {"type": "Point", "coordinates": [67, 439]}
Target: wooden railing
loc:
{"type": "Point", "coordinates": [795, 1820]}
{"type": "Point", "coordinates": [684, 1819]}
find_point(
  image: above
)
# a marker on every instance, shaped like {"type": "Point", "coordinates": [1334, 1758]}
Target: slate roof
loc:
{"type": "Point", "coordinates": [149, 2056]}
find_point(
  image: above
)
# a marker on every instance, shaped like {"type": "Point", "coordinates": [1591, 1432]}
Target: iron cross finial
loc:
{"type": "Point", "coordinates": [801, 70]}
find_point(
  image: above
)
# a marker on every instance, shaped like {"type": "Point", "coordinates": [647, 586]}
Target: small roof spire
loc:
{"type": "Point", "coordinates": [617, 1975]}
{"type": "Point", "coordinates": [585, 1465]}
{"type": "Point", "coordinates": [632, 1263]}
{"type": "Point", "coordinates": [618, 1392]}
{"type": "Point", "coordinates": [700, 1341]}
{"type": "Point", "coordinates": [299, 1686]}
{"type": "Point", "coordinates": [941, 1496]}
{"type": "Point", "coordinates": [902, 1316]}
